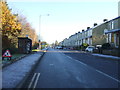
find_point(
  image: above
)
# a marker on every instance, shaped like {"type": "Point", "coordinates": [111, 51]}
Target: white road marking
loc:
{"type": "Point", "coordinates": [69, 57]}
{"type": "Point", "coordinates": [108, 76]}
{"type": "Point", "coordinates": [94, 68]}
{"type": "Point", "coordinates": [76, 60]}
{"type": "Point", "coordinates": [34, 80]}
{"type": "Point", "coordinates": [51, 64]}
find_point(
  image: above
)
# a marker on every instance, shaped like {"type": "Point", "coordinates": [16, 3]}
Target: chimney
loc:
{"type": "Point", "coordinates": [104, 20]}
{"type": "Point", "coordinates": [95, 24]}
{"type": "Point", "coordinates": [83, 30]}
{"type": "Point", "coordinates": [88, 28]}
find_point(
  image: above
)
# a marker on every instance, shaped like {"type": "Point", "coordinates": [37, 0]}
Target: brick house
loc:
{"type": "Point", "coordinates": [113, 32]}
{"type": "Point", "coordinates": [107, 32]}
{"type": "Point", "coordinates": [98, 36]}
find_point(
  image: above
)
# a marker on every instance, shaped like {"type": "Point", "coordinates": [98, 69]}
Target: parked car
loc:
{"type": "Point", "coordinates": [90, 48]}
{"type": "Point", "coordinates": [58, 47]}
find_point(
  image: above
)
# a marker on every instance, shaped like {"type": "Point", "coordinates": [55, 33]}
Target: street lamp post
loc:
{"type": "Point", "coordinates": [40, 29]}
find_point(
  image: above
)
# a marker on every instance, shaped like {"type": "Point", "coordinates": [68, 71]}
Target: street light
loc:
{"type": "Point", "coordinates": [39, 28]}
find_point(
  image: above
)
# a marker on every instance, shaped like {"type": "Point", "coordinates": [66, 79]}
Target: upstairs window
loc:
{"type": "Point", "coordinates": [112, 25]}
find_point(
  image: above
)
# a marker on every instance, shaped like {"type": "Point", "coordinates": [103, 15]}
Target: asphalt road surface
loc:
{"type": "Point", "coordinates": [72, 69]}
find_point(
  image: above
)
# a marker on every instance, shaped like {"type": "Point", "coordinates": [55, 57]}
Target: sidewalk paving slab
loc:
{"type": "Point", "coordinates": [107, 56]}
{"type": "Point", "coordinates": [13, 74]}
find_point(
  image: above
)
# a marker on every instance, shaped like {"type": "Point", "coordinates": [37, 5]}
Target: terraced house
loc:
{"type": "Point", "coordinates": [107, 32]}
{"type": "Point", "coordinates": [113, 32]}
{"type": "Point", "coordinates": [87, 36]}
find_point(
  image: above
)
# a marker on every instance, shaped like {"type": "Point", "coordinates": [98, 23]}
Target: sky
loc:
{"type": "Point", "coordinates": [66, 17]}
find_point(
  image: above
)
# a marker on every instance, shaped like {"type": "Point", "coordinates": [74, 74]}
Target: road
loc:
{"type": "Point", "coordinates": [68, 69]}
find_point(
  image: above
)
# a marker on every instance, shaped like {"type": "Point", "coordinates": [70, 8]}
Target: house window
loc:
{"type": "Point", "coordinates": [107, 38]}
{"type": "Point", "coordinates": [90, 32]}
{"type": "Point", "coordinates": [112, 25]}
{"type": "Point", "coordinates": [117, 40]}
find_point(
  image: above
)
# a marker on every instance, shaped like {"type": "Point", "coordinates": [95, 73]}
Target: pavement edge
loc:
{"type": "Point", "coordinates": [19, 86]}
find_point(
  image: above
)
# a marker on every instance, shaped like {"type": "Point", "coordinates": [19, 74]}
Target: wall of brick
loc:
{"type": "Point", "coordinates": [98, 37]}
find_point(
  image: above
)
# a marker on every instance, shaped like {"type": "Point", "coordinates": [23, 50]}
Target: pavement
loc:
{"type": "Point", "coordinates": [107, 56]}
{"type": "Point", "coordinates": [101, 55]}
{"type": "Point", "coordinates": [15, 73]}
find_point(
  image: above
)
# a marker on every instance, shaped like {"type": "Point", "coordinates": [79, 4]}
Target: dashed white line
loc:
{"type": "Point", "coordinates": [51, 64]}
{"type": "Point", "coordinates": [95, 69]}
{"type": "Point", "coordinates": [76, 60]}
{"type": "Point", "coordinates": [69, 57]}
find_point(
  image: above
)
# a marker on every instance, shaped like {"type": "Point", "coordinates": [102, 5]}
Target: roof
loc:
{"type": "Point", "coordinates": [115, 18]}
{"type": "Point", "coordinates": [106, 22]}
{"type": "Point", "coordinates": [24, 38]}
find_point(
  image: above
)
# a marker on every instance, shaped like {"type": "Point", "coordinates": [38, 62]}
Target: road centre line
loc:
{"type": "Point", "coordinates": [75, 59]}
{"type": "Point", "coordinates": [95, 69]}
{"type": "Point", "coordinates": [34, 80]}
{"type": "Point", "coordinates": [69, 57]}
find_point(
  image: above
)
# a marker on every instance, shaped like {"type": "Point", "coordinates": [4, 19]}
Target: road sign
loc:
{"type": "Point", "coordinates": [7, 54]}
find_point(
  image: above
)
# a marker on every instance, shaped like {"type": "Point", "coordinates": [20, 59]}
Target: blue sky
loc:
{"type": "Point", "coordinates": [66, 18]}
